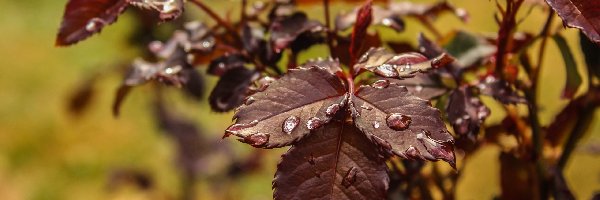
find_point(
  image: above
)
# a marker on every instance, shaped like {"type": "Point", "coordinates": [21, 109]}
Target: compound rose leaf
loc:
{"type": "Point", "coordinates": [336, 162]}
{"type": "Point", "coordinates": [401, 123]}
{"type": "Point", "coordinates": [83, 18]}
{"type": "Point", "coordinates": [581, 14]}
{"type": "Point", "coordinates": [390, 65]}
{"type": "Point", "coordinates": [231, 89]}
{"type": "Point", "coordinates": [289, 108]}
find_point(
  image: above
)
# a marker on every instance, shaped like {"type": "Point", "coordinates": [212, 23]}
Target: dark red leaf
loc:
{"type": "Point", "coordinates": [381, 16]}
{"type": "Point", "coordinates": [466, 112]}
{"type": "Point", "coordinates": [330, 64]}
{"type": "Point", "coordinates": [83, 18]}
{"type": "Point", "coordinates": [390, 65]}
{"type": "Point", "coordinates": [333, 163]}
{"type": "Point", "coordinates": [581, 14]}
{"type": "Point", "coordinates": [401, 123]}
{"type": "Point", "coordinates": [289, 108]}
{"type": "Point", "coordinates": [227, 62]}
{"type": "Point", "coordinates": [343, 44]}
{"type": "Point", "coordinates": [364, 17]}
{"type": "Point", "coordinates": [285, 30]}
{"type": "Point", "coordinates": [167, 9]}
{"type": "Point", "coordinates": [231, 89]}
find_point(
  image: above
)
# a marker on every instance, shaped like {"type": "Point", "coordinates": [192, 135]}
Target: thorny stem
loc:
{"type": "Point", "coordinates": [219, 20]}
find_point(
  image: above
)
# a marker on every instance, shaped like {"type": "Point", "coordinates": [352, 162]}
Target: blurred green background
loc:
{"type": "Point", "coordinates": [45, 153]}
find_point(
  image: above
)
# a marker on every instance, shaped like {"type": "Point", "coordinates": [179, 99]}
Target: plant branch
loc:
{"type": "Point", "coordinates": [232, 31]}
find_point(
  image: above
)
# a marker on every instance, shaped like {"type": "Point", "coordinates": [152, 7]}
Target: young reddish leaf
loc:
{"type": "Point", "coordinates": [285, 30]}
{"type": "Point", "coordinates": [335, 162]}
{"type": "Point", "coordinates": [466, 112]}
{"type": "Point", "coordinates": [231, 89]}
{"type": "Point", "coordinates": [390, 65]}
{"type": "Point", "coordinates": [83, 18]}
{"type": "Point", "coordinates": [401, 123]}
{"type": "Point", "coordinates": [581, 14]}
{"type": "Point", "coordinates": [590, 51]}
{"type": "Point", "coordinates": [573, 77]}
{"type": "Point", "coordinates": [167, 9]}
{"type": "Point", "coordinates": [381, 16]}
{"type": "Point", "coordinates": [364, 17]}
{"type": "Point", "coordinates": [500, 90]}
{"type": "Point", "coordinates": [289, 108]}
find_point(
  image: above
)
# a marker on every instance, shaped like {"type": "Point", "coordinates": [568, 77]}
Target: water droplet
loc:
{"type": "Point", "coordinates": [458, 121]}
{"type": "Point", "coordinates": [249, 100]}
{"type": "Point", "coordinates": [332, 109]}
{"type": "Point", "coordinates": [418, 88]}
{"type": "Point", "coordinates": [233, 129]}
{"type": "Point", "coordinates": [490, 79]}
{"type": "Point", "coordinates": [398, 121]}
{"type": "Point", "coordinates": [386, 70]}
{"type": "Point", "coordinates": [94, 24]}
{"type": "Point", "coordinates": [375, 124]}
{"type": "Point", "coordinates": [350, 177]}
{"type": "Point", "coordinates": [412, 152]}
{"type": "Point", "coordinates": [381, 84]}
{"type": "Point", "coordinates": [366, 107]}
{"type": "Point", "coordinates": [314, 123]}
{"type": "Point", "coordinates": [290, 124]}
{"type": "Point", "coordinates": [257, 140]}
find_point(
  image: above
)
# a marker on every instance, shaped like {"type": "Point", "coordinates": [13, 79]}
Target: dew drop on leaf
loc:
{"type": "Point", "coordinates": [350, 177]}
{"type": "Point", "coordinates": [375, 124]}
{"type": "Point", "coordinates": [332, 109]}
{"type": "Point", "coordinates": [366, 107]}
{"type": "Point", "coordinates": [249, 100]}
{"type": "Point", "coordinates": [257, 139]}
{"type": "Point", "coordinates": [314, 123]}
{"type": "Point", "coordinates": [386, 70]}
{"type": "Point", "coordinates": [290, 124]}
{"type": "Point", "coordinates": [94, 24]}
{"type": "Point", "coordinates": [418, 88]}
{"type": "Point", "coordinates": [398, 121]}
{"type": "Point", "coordinates": [381, 84]}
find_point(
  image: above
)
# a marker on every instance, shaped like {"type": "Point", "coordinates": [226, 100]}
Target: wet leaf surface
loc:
{"type": "Point", "coordinates": [332, 163]}
{"type": "Point", "coordinates": [167, 9]}
{"type": "Point", "coordinates": [285, 30]}
{"type": "Point", "coordinates": [390, 65]}
{"type": "Point", "coordinates": [402, 124]}
{"type": "Point", "coordinates": [303, 93]}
